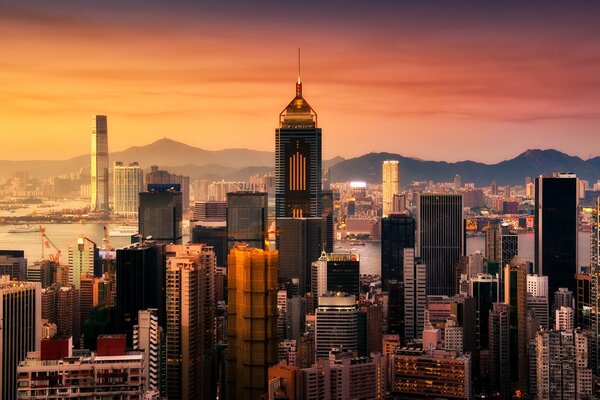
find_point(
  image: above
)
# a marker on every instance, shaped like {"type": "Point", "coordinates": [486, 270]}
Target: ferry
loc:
{"type": "Point", "coordinates": [24, 229]}
{"type": "Point", "coordinates": [123, 231]}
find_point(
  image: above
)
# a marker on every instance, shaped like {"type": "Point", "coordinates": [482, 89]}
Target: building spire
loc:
{"type": "Point", "coordinates": [299, 83]}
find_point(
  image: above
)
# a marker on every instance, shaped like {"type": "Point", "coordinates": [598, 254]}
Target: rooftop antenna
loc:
{"type": "Point", "coordinates": [299, 83]}
{"type": "Point", "coordinates": [299, 65]}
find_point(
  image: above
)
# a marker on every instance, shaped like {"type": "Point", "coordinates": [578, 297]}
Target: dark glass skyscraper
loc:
{"type": "Point", "coordinates": [141, 283]}
{"type": "Point", "coordinates": [300, 241]}
{"type": "Point", "coordinates": [556, 209]}
{"type": "Point", "coordinates": [246, 219]}
{"type": "Point", "coordinates": [397, 233]}
{"type": "Point", "coordinates": [161, 213]}
{"type": "Point", "coordinates": [440, 239]}
{"type": "Point", "coordinates": [298, 161]}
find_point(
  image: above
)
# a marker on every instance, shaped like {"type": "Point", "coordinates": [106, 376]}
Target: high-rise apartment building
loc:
{"type": "Point", "coordinates": [390, 185]}
{"type": "Point", "coordinates": [99, 160]}
{"type": "Point", "coordinates": [298, 161]}
{"type": "Point", "coordinates": [562, 366]}
{"type": "Point", "coordinates": [336, 324]}
{"type": "Point", "coordinates": [595, 285]}
{"type": "Point", "coordinates": [515, 295]}
{"type": "Point", "coordinates": [499, 349]}
{"type": "Point", "coordinates": [82, 255]}
{"type": "Point", "coordinates": [148, 338]}
{"type": "Point", "coordinates": [247, 219]}
{"type": "Point", "coordinates": [161, 213]}
{"type": "Point", "coordinates": [415, 296]}
{"type": "Point", "coordinates": [128, 183]}
{"type": "Point", "coordinates": [190, 324]}
{"type": "Point", "coordinates": [251, 321]}
{"type": "Point", "coordinates": [440, 239]}
{"type": "Point", "coordinates": [68, 322]}
{"type": "Point", "coordinates": [20, 329]}
{"type": "Point", "coordinates": [556, 230]}
{"type": "Point", "coordinates": [397, 234]}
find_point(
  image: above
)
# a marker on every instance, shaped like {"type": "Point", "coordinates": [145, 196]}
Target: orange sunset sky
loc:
{"type": "Point", "coordinates": [436, 80]}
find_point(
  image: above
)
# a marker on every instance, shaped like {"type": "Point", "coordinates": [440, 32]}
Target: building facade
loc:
{"type": "Point", "coordinates": [99, 171]}
{"type": "Point", "coordinates": [298, 164]}
{"type": "Point", "coordinates": [128, 183]}
{"type": "Point", "coordinates": [440, 239]}
{"type": "Point", "coordinates": [390, 185]}
{"type": "Point", "coordinates": [251, 321]}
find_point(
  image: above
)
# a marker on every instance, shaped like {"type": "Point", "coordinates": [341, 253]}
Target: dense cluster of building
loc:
{"type": "Point", "coordinates": [261, 304]}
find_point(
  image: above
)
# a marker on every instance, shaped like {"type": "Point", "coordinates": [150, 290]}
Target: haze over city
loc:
{"type": "Point", "coordinates": [480, 81]}
{"type": "Point", "coordinates": [299, 200]}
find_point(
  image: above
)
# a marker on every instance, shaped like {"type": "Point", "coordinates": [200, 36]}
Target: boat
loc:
{"type": "Point", "coordinates": [24, 229]}
{"type": "Point", "coordinates": [123, 231]}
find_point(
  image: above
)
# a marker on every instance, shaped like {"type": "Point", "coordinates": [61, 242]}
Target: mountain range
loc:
{"type": "Point", "coordinates": [239, 164]}
{"type": "Point", "coordinates": [530, 163]}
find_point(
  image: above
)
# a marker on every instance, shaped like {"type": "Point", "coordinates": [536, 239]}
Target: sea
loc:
{"type": "Point", "coordinates": [370, 254]}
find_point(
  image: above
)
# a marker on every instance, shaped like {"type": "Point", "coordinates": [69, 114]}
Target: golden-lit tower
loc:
{"type": "Point", "coordinates": [251, 321]}
{"type": "Point", "coordinates": [390, 184]}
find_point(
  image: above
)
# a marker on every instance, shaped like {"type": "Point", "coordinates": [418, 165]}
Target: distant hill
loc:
{"type": "Point", "coordinates": [239, 164]}
{"type": "Point", "coordinates": [510, 172]}
{"type": "Point", "coordinates": [176, 157]}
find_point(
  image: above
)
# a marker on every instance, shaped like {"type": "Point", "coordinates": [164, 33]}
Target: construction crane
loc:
{"type": "Point", "coordinates": [47, 243]}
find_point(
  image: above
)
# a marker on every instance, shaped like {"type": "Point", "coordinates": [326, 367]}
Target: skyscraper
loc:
{"type": "Point", "coordinates": [20, 329]}
{"type": "Point", "coordinates": [128, 183]}
{"type": "Point", "coordinates": [82, 254]}
{"type": "Point", "coordinates": [161, 213]}
{"type": "Point", "coordinates": [140, 273]}
{"type": "Point", "coordinates": [515, 295]}
{"type": "Point", "coordinates": [440, 239]}
{"type": "Point", "coordinates": [298, 160]}
{"type": "Point", "coordinates": [500, 350]}
{"type": "Point", "coordinates": [148, 337]}
{"type": "Point", "coordinates": [251, 321]}
{"type": "Point", "coordinates": [397, 234]}
{"type": "Point", "coordinates": [390, 184]}
{"type": "Point", "coordinates": [247, 219]}
{"type": "Point", "coordinates": [556, 213]}
{"type": "Point", "coordinates": [190, 325]}
{"type": "Point", "coordinates": [300, 241]}
{"type": "Point", "coordinates": [99, 170]}
{"type": "Point", "coordinates": [336, 324]}
{"type": "Point", "coordinates": [13, 263]}
{"type": "Point", "coordinates": [415, 296]}
{"type": "Point", "coordinates": [595, 285]}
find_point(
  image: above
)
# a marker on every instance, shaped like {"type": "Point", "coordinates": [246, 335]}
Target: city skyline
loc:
{"type": "Point", "coordinates": [460, 76]}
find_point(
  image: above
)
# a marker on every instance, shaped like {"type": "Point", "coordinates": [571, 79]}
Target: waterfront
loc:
{"type": "Point", "coordinates": [370, 253]}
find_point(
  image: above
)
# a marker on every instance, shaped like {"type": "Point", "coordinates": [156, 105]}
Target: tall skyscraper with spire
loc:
{"type": "Point", "coordinates": [298, 160]}
{"type": "Point", "coordinates": [99, 170]}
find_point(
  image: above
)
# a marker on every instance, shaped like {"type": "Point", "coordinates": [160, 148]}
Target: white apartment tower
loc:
{"type": "Point", "coordinates": [128, 182]}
